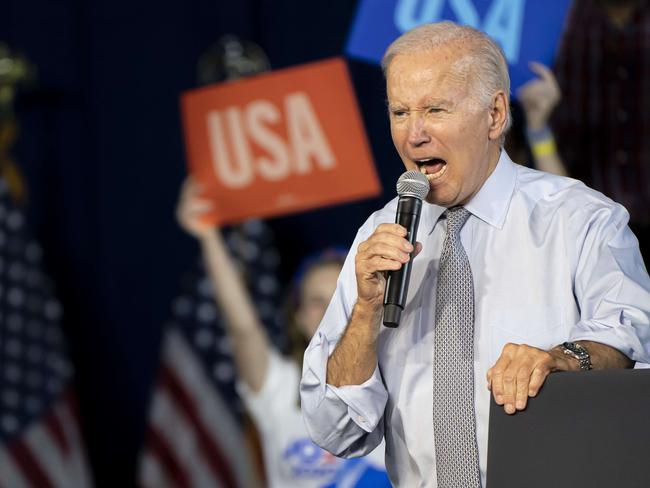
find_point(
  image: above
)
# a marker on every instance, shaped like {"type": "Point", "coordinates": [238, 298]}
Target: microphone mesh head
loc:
{"type": "Point", "coordinates": [413, 184]}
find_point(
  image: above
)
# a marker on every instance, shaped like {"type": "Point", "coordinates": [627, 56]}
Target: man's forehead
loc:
{"type": "Point", "coordinates": [425, 101]}
{"type": "Point", "coordinates": [431, 77]}
{"type": "Point", "coordinates": [446, 61]}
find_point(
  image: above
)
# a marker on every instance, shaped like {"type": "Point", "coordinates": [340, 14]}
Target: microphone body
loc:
{"type": "Point", "coordinates": [412, 188]}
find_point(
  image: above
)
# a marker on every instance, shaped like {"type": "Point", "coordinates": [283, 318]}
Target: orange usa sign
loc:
{"type": "Point", "coordinates": [278, 143]}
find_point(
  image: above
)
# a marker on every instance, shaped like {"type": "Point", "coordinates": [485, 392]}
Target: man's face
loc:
{"type": "Point", "coordinates": [438, 125]}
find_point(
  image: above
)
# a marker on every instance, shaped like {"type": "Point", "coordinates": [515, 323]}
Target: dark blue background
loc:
{"type": "Point", "coordinates": [101, 148]}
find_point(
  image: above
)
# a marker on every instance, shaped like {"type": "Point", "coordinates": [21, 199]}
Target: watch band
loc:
{"type": "Point", "coordinates": [578, 352]}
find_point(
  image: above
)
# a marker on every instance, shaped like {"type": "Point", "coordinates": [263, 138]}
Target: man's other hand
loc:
{"type": "Point", "coordinates": [520, 372]}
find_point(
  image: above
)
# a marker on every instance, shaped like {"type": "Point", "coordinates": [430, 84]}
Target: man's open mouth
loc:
{"type": "Point", "coordinates": [432, 167]}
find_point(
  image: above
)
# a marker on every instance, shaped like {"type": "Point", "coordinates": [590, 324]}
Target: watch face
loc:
{"type": "Point", "coordinates": [579, 353]}
{"type": "Point", "coordinates": [571, 353]}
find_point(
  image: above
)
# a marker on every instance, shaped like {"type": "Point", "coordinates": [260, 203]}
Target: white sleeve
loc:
{"type": "Point", "coordinates": [345, 421]}
{"type": "Point", "coordinates": [612, 285]}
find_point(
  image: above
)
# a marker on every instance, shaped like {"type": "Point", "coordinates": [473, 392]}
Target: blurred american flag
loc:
{"type": "Point", "coordinates": [195, 436]}
{"type": "Point", "coordinates": [40, 440]}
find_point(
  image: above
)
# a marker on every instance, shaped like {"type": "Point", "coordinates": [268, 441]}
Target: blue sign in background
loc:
{"type": "Point", "coordinates": [527, 30]}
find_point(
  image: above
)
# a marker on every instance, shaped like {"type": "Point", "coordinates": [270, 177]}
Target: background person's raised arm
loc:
{"type": "Point", "coordinates": [250, 343]}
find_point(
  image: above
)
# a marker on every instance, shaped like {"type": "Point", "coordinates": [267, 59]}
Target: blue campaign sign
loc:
{"type": "Point", "coordinates": [527, 30]}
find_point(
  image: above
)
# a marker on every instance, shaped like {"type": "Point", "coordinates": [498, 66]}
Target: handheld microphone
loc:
{"type": "Point", "coordinates": [412, 188]}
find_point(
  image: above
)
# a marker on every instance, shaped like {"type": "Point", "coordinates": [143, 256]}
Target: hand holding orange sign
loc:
{"type": "Point", "coordinates": [278, 143]}
{"type": "Point", "coordinates": [191, 210]}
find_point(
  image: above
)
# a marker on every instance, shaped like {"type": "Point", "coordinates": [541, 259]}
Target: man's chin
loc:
{"type": "Point", "coordinates": [435, 198]}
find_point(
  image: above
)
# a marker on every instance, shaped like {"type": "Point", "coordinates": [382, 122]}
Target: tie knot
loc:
{"type": "Point", "coordinates": [456, 218]}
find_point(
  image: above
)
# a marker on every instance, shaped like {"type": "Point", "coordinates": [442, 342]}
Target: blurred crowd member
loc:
{"type": "Point", "coordinates": [538, 98]}
{"type": "Point", "coordinates": [603, 70]}
{"type": "Point", "coordinates": [268, 381]}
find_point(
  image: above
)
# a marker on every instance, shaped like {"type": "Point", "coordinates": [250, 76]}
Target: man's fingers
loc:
{"type": "Point", "coordinates": [529, 383]}
{"type": "Point", "coordinates": [373, 264]}
{"type": "Point", "coordinates": [509, 390]}
{"type": "Point", "coordinates": [510, 378]}
{"type": "Point", "coordinates": [523, 381]}
{"type": "Point", "coordinates": [495, 375]}
{"type": "Point", "coordinates": [387, 251]}
{"type": "Point", "coordinates": [385, 244]}
{"type": "Point", "coordinates": [518, 374]}
{"type": "Point", "coordinates": [395, 229]}
{"type": "Point", "coordinates": [378, 263]}
{"type": "Point", "coordinates": [392, 235]}
{"type": "Point", "coordinates": [537, 379]}
{"type": "Point", "coordinates": [389, 238]}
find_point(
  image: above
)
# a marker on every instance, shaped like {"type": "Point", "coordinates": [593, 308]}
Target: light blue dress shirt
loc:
{"type": "Point", "coordinates": [552, 260]}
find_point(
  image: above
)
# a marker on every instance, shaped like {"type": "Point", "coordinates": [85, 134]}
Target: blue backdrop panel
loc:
{"type": "Point", "coordinates": [527, 30]}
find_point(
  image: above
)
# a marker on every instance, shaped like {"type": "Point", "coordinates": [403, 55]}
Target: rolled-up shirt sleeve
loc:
{"type": "Point", "coordinates": [612, 285]}
{"type": "Point", "coordinates": [346, 421]}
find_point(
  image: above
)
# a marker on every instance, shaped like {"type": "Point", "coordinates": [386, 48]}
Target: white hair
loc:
{"type": "Point", "coordinates": [486, 58]}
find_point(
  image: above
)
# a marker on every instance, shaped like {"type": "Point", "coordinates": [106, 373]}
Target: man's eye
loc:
{"type": "Point", "coordinates": [434, 110]}
{"type": "Point", "coordinates": [399, 113]}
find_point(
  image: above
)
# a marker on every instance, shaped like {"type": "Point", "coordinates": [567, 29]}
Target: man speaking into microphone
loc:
{"type": "Point", "coordinates": [515, 274]}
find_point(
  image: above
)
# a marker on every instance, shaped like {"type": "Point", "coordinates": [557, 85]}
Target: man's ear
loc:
{"type": "Point", "coordinates": [499, 111]}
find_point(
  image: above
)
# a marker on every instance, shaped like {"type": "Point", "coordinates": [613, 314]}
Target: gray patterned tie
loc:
{"type": "Point", "coordinates": [454, 422]}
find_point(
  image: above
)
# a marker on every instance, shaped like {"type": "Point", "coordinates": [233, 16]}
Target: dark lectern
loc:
{"type": "Point", "coordinates": [588, 429]}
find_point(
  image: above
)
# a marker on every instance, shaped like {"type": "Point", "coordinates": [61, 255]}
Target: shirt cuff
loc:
{"type": "Point", "coordinates": [315, 369]}
{"type": "Point", "coordinates": [366, 402]}
{"type": "Point", "coordinates": [622, 337]}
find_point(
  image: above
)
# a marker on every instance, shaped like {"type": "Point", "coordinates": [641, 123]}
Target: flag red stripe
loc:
{"type": "Point", "coordinates": [55, 429]}
{"type": "Point", "coordinates": [161, 449]}
{"type": "Point", "coordinates": [217, 463]}
{"type": "Point", "coordinates": [29, 466]}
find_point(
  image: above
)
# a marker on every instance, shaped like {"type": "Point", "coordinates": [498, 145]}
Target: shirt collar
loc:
{"type": "Point", "coordinates": [491, 202]}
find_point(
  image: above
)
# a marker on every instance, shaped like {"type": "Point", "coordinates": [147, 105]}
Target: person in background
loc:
{"type": "Point", "coordinates": [602, 126]}
{"type": "Point", "coordinates": [538, 98]}
{"type": "Point", "coordinates": [268, 382]}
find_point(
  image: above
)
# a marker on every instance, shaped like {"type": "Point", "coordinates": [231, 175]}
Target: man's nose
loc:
{"type": "Point", "coordinates": [417, 132]}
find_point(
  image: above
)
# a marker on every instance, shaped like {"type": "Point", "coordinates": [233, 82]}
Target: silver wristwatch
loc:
{"type": "Point", "coordinates": [578, 352]}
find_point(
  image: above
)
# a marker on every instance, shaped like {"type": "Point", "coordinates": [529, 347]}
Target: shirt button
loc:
{"type": "Point", "coordinates": [361, 419]}
{"type": "Point", "coordinates": [621, 157]}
